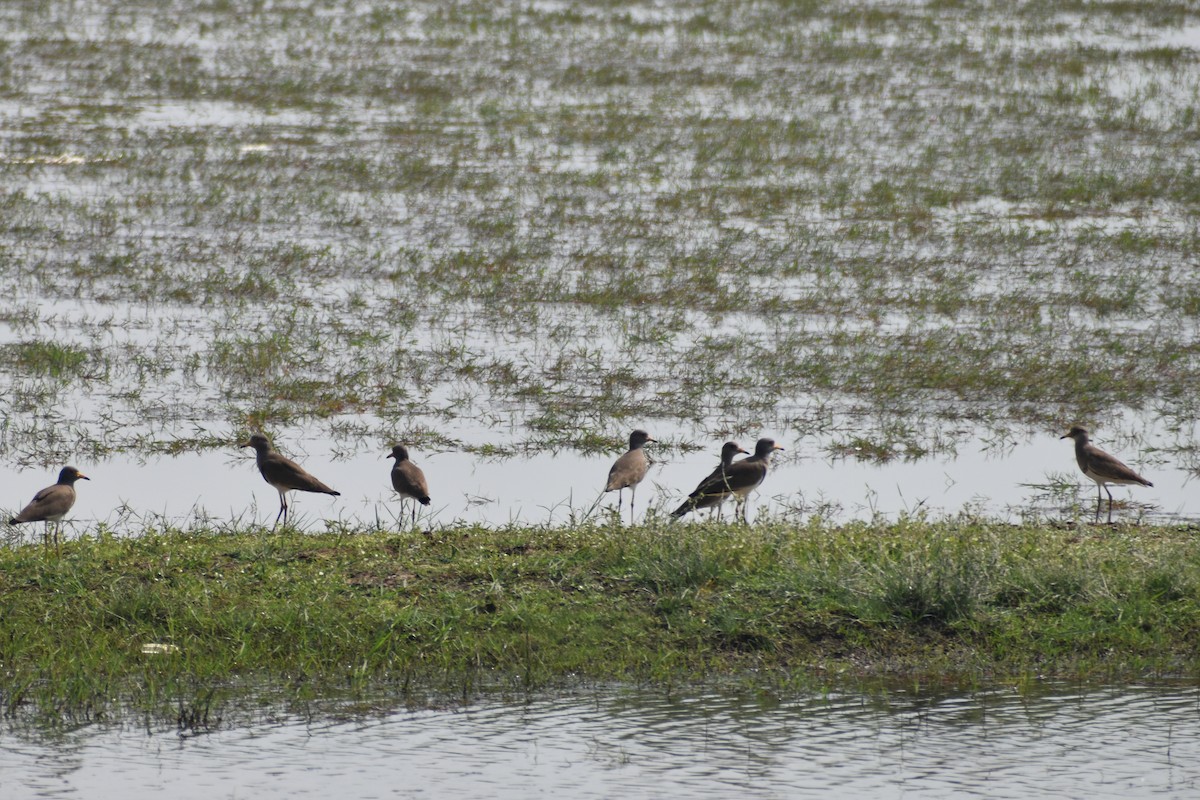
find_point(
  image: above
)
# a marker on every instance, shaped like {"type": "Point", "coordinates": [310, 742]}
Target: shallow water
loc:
{"type": "Point", "coordinates": [550, 489]}
{"type": "Point", "coordinates": [1050, 741]}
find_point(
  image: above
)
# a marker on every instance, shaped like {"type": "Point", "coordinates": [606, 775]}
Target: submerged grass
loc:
{"type": "Point", "coordinates": [824, 220]}
{"type": "Point", "coordinates": [457, 610]}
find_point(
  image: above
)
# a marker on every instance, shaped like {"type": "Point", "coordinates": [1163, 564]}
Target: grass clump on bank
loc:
{"type": "Point", "coordinates": [457, 610]}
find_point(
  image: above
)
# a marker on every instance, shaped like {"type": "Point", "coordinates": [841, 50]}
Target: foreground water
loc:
{"type": "Point", "coordinates": [1051, 741]}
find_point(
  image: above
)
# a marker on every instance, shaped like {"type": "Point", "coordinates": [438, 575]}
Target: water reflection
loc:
{"type": "Point", "coordinates": [1138, 741]}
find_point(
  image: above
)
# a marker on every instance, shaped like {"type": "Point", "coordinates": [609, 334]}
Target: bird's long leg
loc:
{"type": "Point", "coordinates": [1109, 504]}
{"type": "Point", "coordinates": [632, 497]}
{"type": "Point", "coordinates": [1099, 500]}
{"type": "Point", "coordinates": [283, 507]}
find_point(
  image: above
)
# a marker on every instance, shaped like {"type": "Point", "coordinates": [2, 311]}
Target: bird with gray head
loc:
{"type": "Point", "coordinates": [283, 473]}
{"type": "Point", "coordinates": [713, 491]}
{"type": "Point", "coordinates": [742, 477]}
{"type": "Point", "coordinates": [1101, 467]}
{"type": "Point", "coordinates": [52, 503]}
{"type": "Point", "coordinates": [408, 480]}
{"type": "Point", "coordinates": [629, 470]}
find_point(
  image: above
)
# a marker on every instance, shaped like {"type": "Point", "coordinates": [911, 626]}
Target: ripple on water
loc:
{"type": "Point", "coordinates": [1052, 741]}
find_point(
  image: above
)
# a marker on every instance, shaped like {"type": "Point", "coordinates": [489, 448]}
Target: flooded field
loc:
{"type": "Point", "coordinates": [1044, 740]}
{"type": "Point", "coordinates": [911, 243]}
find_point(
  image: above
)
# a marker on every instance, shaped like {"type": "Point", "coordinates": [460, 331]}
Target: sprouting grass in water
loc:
{"type": "Point", "coordinates": [881, 221]}
{"type": "Point", "coordinates": [49, 359]}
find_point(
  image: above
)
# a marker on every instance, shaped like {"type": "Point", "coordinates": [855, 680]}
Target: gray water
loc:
{"type": "Point", "coordinates": [222, 486]}
{"type": "Point", "coordinates": [1051, 741]}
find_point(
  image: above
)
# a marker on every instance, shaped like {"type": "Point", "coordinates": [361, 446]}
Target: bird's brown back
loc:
{"type": "Point", "coordinates": [628, 470]}
{"type": "Point", "coordinates": [1094, 462]}
{"type": "Point", "coordinates": [285, 474]}
{"type": "Point", "coordinates": [739, 477]}
{"type": "Point", "coordinates": [409, 480]}
{"type": "Point", "coordinates": [50, 503]}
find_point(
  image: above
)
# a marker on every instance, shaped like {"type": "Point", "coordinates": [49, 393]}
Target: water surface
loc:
{"type": "Point", "coordinates": [1048, 741]}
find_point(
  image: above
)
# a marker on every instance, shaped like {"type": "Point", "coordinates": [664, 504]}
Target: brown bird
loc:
{"type": "Point", "coordinates": [741, 477]}
{"type": "Point", "coordinates": [52, 503]}
{"type": "Point", "coordinates": [408, 480]}
{"type": "Point", "coordinates": [282, 473]}
{"type": "Point", "coordinates": [628, 470]}
{"type": "Point", "coordinates": [1101, 467]}
{"type": "Point", "coordinates": [704, 497]}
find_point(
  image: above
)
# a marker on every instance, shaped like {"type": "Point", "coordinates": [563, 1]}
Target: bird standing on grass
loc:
{"type": "Point", "coordinates": [738, 480]}
{"type": "Point", "coordinates": [408, 480]}
{"type": "Point", "coordinates": [52, 503]}
{"type": "Point", "coordinates": [705, 496]}
{"type": "Point", "coordinates": [629, 470]}
{"type": "Point", "coordinates": [282, 473]}
{"type": "Point", "coordinates": [1101, 467]}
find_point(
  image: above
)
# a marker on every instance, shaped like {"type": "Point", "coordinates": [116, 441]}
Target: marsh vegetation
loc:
{"type": "Point", "coordinates": [882, 230]}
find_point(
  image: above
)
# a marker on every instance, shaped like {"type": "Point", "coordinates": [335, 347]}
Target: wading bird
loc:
{"type": "Point", "coordinates": [282, 473]}
{"type": "Point", "coordinates": [408, 480]}
{"type": "Point", "coordinates": [628, 470]}
{"type": "Point", "coordinates": [714, 490]}
{"type": "Point", "coordinates": [739, 479]}
{"type": "Point", "coordinates": [1101, 467]}
{"type": "Point", "coordinates": [52, 503]}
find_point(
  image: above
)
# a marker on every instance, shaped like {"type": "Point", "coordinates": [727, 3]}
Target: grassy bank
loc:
{"type": "Point", "coordinates": [458, 610]}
